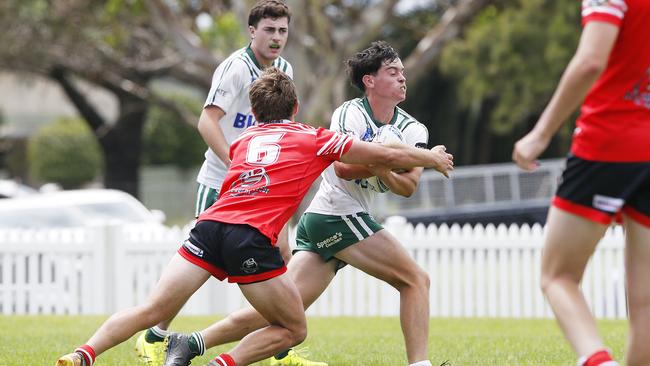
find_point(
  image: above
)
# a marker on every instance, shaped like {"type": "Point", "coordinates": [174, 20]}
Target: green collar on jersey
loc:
{"type": "Point", "coordinates": [366, 106]}
{"type": "Point", "coordinates": [251, 54]}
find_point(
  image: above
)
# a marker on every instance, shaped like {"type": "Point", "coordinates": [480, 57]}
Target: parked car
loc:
{"type": "Point", "coordinates": [75, 208]}
{"type": "Point", "coordinates": [10, 188]}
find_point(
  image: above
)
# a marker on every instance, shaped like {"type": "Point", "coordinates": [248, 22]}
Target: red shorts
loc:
{"type": "Point", "coordinates": [235, 251]}
{"type": "Point", "coordinates": [600, 191]}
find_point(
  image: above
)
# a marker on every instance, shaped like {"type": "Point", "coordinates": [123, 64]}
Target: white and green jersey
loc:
{"type": "Point", "coordinates": [338, 196]}
{"type": "Point", "coordinates": [231, 83]}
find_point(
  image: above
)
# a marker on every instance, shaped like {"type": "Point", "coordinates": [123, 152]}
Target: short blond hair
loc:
{"type": "Point", "coordinates": [273, 96]}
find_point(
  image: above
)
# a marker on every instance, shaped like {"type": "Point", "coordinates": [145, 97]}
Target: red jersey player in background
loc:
{"type": "Point", "coordinates": [608, 171]}
{"type": "Point", "coordinates": [272, 167]}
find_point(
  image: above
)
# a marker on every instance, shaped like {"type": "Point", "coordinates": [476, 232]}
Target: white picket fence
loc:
{"type": "Point", "coordinates": [475, 272]}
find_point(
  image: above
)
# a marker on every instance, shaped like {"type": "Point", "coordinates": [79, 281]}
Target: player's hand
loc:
{"type": "Point", "coordinates": [444, 162]}
{"type": "Point", "coordinates": [528, 149]}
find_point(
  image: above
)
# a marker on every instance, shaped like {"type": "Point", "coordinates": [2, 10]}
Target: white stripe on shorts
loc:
{"type": "Point", "coordinates": [354, 229]}
{"type": "Point", "coordinates": [198, 199]}
{"type": "Point", "coordinates": [363, 224]}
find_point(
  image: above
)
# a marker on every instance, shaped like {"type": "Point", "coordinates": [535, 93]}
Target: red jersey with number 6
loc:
{"type": "Point", "coordinates": [273, 166]}
{"type": "Point", "coordinates": [614, 124]}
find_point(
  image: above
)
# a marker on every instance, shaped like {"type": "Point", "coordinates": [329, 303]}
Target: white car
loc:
{"type": "Point", "coordinates": [10, 188]}
{"type": "Point", "coordinates": [75, 208]}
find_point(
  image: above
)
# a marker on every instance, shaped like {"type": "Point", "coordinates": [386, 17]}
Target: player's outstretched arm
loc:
{"type": "Point", "coordinates": [212, 134]}
{"type": "Point", "coordinates": [587, 64]}
{"type": "Point", "coordinates": [399, 156]}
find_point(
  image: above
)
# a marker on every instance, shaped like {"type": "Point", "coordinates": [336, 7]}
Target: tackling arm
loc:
{"type": "Point", "coordinates": [395, 156]}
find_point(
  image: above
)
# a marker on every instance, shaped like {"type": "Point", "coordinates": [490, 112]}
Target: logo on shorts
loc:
{"type": "Point", "coordinates": [193, 248]}
{"type": "Point", "coordinates": [249, 266]}
{"type": "Point", "coordinates": [607, 204]}
{"type": "Point", "coordinates": [330, 241]}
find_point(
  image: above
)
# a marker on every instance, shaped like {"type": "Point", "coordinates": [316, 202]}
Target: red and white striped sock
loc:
{"type": "Point", "coordinates": [600, 358]}
{"type": "Point", "coordinates": [87, 355]}
{"type": "Point", "coordinates": [224, 359]}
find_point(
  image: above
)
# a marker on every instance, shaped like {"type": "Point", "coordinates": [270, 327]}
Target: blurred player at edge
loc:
{"type": "Point", "coordinates": [608, 171]}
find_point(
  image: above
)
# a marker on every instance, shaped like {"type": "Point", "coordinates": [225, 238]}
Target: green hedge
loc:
{"type": "Point", "coordinates": [64, 152]}
{"type": "Point", "coordinates": [168, 141]}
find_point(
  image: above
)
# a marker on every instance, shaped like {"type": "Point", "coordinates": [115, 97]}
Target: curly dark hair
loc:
{"type": "Point", "coordinates": [273, 9]}
{"type": "Point", "coordinates": [369, 61]}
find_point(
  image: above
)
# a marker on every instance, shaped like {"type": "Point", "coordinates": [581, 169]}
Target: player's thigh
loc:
{"type": "Point", "coordinates": [179, 280]}
{"type": "Point", "coordinates": [277, 300]}
{"type": "Point", "coordinates": [382, 256]}
{"type": "Point", "coordinates": [570, 241]}
{"type": "Point", "coordinates": [311, 274]}
{"type": "Point", "coordinates": [637, 264]}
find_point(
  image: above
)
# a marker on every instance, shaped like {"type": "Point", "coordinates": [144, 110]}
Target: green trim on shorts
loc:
{"type": "Point", "coordinates": [205, 197]}
{"type": "Point", "coordinates": [327, 235]}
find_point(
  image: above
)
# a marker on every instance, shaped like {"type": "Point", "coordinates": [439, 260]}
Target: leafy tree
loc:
{"type": "Point", "coordinates": [121, 46]}
{"type": "Point", "coordinates": [64, 152]}
{"type": "Point", "coordinates": [125, 46]}
{"type": "Point", "coordinates": [169, 142]}
{"type": "Point", "coordinates": [507, 67]}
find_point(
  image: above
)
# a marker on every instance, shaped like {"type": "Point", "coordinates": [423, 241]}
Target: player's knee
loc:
{"type": "Point", "coordinates": [415, 277]}
{"type": "Point", "coordinates": [550, 280]}
{"type": "Point", "coordinates": [298, 334]}
{"type": "Point", "coordinates": [547, 281]}
{"type": "Point", "coordinates": [425, 279]}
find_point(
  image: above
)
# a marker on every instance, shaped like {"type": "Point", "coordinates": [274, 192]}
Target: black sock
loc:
{"type": "Point", "coordinates": [282, 355]}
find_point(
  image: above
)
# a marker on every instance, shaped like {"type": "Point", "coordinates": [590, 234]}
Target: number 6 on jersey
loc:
{"type": "Point", "coordinates": [263, 149]}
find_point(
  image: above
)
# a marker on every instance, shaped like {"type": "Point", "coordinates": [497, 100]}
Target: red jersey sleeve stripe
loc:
{"type": "Point", "coordinates": [339, 146]}
{"type": "Point", "coordinates": [346, 146]}
{"type": "Point", "coordinates": [611, 11]}
{"type": "Point", "coordinates": [333, 141]}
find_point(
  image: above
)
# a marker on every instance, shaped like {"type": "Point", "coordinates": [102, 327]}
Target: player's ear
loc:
{"type": "Point", "coordinates": [254, 114]}
{"type": "Point", "coordinates": [251, 31]}
{"type": "Point", "coordinates": [368, 81]}
{"type": "Point", "coordinates": [296, 108]}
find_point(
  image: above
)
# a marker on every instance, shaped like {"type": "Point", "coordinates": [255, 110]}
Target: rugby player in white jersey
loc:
{"type": "Point", "coordinates": [337, 228]}
{"type": "Point", "coordinates": [226, 114]}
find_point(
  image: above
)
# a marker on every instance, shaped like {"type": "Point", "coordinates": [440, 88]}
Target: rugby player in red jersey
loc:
{"type": "Point", "coordinates": [273, 166]}
{"type": "Point", "coordinates": [608, 171]}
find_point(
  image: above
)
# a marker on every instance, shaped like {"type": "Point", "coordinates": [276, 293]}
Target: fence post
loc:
{"type": "Point", "coordinates": [105, 235]}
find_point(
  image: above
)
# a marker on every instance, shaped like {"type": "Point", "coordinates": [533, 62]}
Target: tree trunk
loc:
{"type": "Point", "coordinates": [122, 146]}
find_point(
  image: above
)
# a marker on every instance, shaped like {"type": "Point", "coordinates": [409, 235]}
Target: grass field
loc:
{"type": "Point", "coordinates": [39, 340]}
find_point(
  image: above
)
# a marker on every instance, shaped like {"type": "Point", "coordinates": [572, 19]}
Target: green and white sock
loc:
{"type": "Point", "coordinates": [155, 334]}
{"type": "Point", "coordinates": [196, 343]}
